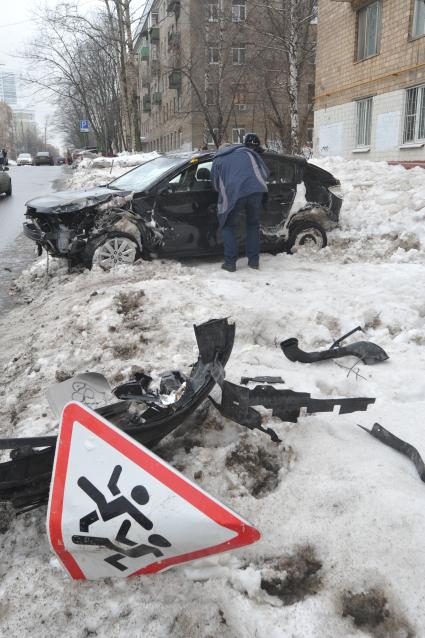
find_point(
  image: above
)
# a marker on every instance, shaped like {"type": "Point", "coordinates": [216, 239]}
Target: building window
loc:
{"type": "Point", "coordinates": [238, 10]}
{"type": "Point", "coordinates": [310, 94]}
{"type": "Point", "coordinates": [239, 99]}
{"type": "Point", "coordinates": [213, 55]}
{"type": "Point", "coordinates": [213, 10]}
{"type": "Point", "coordinates": [211, 95]}
{"type": "Point", "coordinates": [368, 30]}
{"type": "Point", "coordinates": [414, 115]}
{"type": "Point", "coordinates": [364, 121]}
{"type": "Point", "coordinates": [238, 55]}
{"type": "Point", "coordinates": [154, 19]}
{"type": "Point", "coordinates": [237, 135]}
{"type": "Point", "coordinates": [418, 28]}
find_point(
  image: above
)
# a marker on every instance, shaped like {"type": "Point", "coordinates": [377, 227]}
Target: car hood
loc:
{"type": "Point", "coordinates": [72, 201]}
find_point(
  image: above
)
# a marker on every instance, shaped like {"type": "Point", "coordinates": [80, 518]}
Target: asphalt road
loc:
{"type": "Point", "coordinates": [16, 252]}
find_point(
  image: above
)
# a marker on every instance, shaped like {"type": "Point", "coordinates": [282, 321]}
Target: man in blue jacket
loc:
{"type": "Point", "coordinates": [239, 175]}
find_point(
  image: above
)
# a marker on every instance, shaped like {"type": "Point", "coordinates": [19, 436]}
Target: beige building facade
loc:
{"type": "Point", "coordinates": [200, 76]}
{"type": "Point", "coordinates": [370, 80]}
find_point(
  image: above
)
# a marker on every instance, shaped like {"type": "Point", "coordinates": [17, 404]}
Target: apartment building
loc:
{"type": "Point", "coordinates": [8, 87]}
{"type": "Point", "coordinates": [200, 78]}
{"type": "Point", "coordinates": [370, 80]}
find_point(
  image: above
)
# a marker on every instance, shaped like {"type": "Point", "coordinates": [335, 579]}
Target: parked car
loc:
{"type": "Point", "coordinates": [60, 161]}
{"type": "Point", "coordinates": [24, 159]}
{"type": "Point", "coordinates": [5, 181]}
{"type": "Point", "coordinates": [167, 207]}
{"type": "Point", "coordinates": [43, 157]}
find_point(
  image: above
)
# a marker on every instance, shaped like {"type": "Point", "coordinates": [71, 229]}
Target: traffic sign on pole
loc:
{"type": "Point", "coordinates": [84, 126]}
{"type": "Point", "coordinates": [117, 510]}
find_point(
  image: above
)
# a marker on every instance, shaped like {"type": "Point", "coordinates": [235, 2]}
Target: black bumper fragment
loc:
{"type": "Point", "coordinates": [25, 480]}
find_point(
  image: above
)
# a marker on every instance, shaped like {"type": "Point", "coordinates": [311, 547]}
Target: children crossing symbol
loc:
{"type": "Point", "coordinates": [116, 509]}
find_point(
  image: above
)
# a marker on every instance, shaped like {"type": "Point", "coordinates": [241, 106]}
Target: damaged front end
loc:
{"type": "Point", "coordinates": [73, 225]}
{"type": "Point", "coordinates": [25, 479]}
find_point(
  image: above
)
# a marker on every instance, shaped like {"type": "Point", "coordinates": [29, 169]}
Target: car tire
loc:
{"type": "Point", "coordinates": [113, 249]}
{"type": "Point", "coordinates": [306, 233]}
{"type": "Point", "coordinates": [9, 190]}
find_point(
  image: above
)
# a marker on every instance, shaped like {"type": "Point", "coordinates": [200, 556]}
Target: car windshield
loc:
{"type": "Point", "coordinates": [42, 154]}
{"type": "Point", "coordinates": [24, 155]}
{"type": "Point", "coordinates": [140, 178]}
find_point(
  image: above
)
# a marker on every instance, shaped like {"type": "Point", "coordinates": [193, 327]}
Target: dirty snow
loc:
{"type": "Point", "coordinates": [341, 515]}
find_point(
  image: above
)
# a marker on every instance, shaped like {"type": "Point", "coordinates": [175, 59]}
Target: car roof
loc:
{"type": "Point", "coordinates": [209, 155]}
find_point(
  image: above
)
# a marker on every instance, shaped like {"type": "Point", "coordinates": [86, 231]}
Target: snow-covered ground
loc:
{"type": "Point", "coordinates": [341, 515]}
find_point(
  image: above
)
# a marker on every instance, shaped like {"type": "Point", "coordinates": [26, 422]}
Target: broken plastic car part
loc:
{"type": "Point", "coordinates": [25, 479]}
{"type": "Point", "coordinates": [246, 380]}
{"type": "Point", "coordinates": [401, 446]}
{"type": "Point", "coordinates": [237, 404]}
{"type": "Point", "coordinates": [368, 352]}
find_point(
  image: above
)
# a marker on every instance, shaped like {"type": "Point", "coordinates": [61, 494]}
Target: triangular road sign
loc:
{"type": "Point", "coordinates": [117, 510]}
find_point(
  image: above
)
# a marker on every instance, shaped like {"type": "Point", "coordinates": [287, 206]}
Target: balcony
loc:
{"type": "Point", "coordinates": [175, 80]}
{"type": "Point", "coordinates": [157, 98]}
{"type": "Point", "coordinates": [147, 104]}
{"type": "Point", "coordinates": [154, 34]}
{"type": "Point", "coordinates": [144, 54]}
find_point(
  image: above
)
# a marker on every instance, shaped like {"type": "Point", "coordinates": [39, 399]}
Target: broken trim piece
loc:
{"type": "Point", "coordinates": [246, 380]}
{"type": "Point", "coordinates": [386, 437]}
{"type": "Point", "coordinates": [237, 404]}
{"type": "Point", "coordinates": [367, 351]}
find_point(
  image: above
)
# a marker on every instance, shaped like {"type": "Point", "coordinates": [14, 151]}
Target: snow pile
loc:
{"type": "Point", "coordinates": [341, 515]}
{"type": "Point", "coordinates": [124, 160]}
{"type": "Point", "coordinates": [382, 216]}
{"type": "Point", "coordinates": [101, 170]}
{"type": "Point", "coordinates": [383, 212]}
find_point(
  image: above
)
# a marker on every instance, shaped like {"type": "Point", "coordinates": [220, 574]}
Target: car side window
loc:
{"type": "Point", "coordinates": [286, 172]}
{"type": "Point", "coordinates": [273, 166]}
{"type": "Point", "coordinates": [196, 177]}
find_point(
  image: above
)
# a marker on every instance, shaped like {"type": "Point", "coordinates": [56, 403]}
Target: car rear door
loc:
{"type": "Point", "coordinates": [282, 189]}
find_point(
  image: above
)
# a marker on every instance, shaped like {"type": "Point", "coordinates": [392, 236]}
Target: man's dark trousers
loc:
{"type": "Point", "coordinates": [252, 205]}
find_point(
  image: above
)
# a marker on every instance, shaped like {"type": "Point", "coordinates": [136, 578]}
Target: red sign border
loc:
{"type": "Point", "coordinates": [133, 450]}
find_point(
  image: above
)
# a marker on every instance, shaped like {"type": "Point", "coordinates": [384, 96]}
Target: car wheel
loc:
{"type": "Point", "coordinates": [115, 249]}
{"type": "Point", "coordinates": [9, 190]}
{"type": "Point", "coordinates": [307, 234]}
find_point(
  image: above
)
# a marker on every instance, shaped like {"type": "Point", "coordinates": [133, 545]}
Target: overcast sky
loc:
{"type": "Point", "coordinates": [17, 28]}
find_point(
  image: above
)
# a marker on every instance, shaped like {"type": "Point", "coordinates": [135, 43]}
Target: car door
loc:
{"type": "Point", "coordinates": [186, 207]}
{"type": "Point", "coordinates": [282, 187]}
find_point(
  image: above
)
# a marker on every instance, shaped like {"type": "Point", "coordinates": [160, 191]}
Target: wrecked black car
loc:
{"type": "Point", "coordinates": [168, 208]}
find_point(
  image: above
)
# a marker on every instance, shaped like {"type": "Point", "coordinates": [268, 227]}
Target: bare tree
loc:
{"type": "Point", "coordinates": [286, 41]}
{"type": "Point", "coordinates": [79, 60]}
{"type": "Point", "coordinates": [122, 16]}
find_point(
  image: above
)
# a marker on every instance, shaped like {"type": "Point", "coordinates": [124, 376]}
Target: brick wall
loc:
{"type": "Point", "coordinates": [340, 78]}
